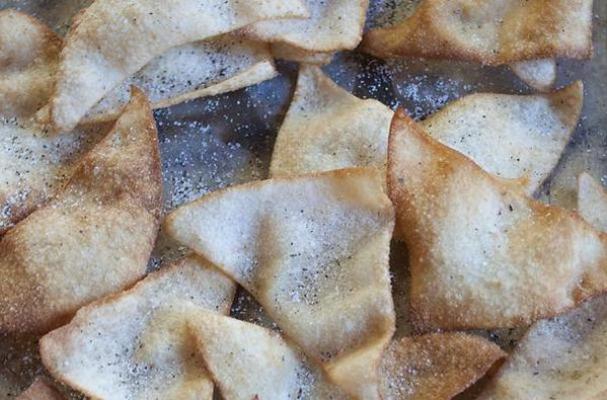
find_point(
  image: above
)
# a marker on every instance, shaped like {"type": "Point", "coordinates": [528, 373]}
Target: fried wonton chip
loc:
{"type": "Point", "coordinates": [94, 238]}
{"type": "Point", "coordinates": [41, 390]}
{"type": "Point", "coordinates": [29, 55]}
{"type": "Point", "coordinates": [198, 69]}
{"type": "Point", "coordinates": [248, 361]}
{"type": "Point", "coordinates": [331, 26]}
{"type": "Point", "coordinates": [592, 202]}
{"type": "Point", "coordinates": [113, 39]}
{"type": "Point", "coordinates": [313, 251]}
{"type": "Point", "coordinates": [511, 136]}
{"type": "Point", "coordinates": [560, 359]}
{"type": "Point", "coordinates": [282, 51]}
{"type": "Point", "coordinates": [539, 74]}
{"type": "Point", "coordinates": [35, 166]}
{"type": "Point", "coordinates": [482, 254]}
{"type": "Point", "coordinates": [328, 128]}
{"type": "Point", "coordinates": [435, 366]}
{"type": "Point", "coordinates": [136, 345]}
{"type": "Point", "coordinates": [490, 32]}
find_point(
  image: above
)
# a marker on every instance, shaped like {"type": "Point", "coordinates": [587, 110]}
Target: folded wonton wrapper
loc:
{"type": "Point", "coordinates": [112, 39]}
{"type": "Point", "coordinates": [94, 238]}
{"type": "Point", "coordinates": [539, 74]}
{"type": "Point", "coordinates": [566, 357]}
{"type": "Point", "coordinates": [491, 32]}
{"type": "Point", "coordinates": [436, 366]}
{"type": "Point", "coordinates": [40, 390]}
{"type": "Point", "coordinates": [136, 345]}
{"type": "Point", "coordinates": [332, 26]}
{"type": "Point", "coordinates": [328, 128]}
{"type": "Point", "coordinates": [508, 135]}
{"type": "Point", "coordinates": [29, 55]}
{"type": "Point", "coordinates": [482, 254]}
{"type": "Point", "coordinates": [35, 166]}
{"type": "Point", "coordinates": [248, 362]}
{"type": "Point", "coordinates": [198, 69]}
{"type": "Point", "coordinates": [511, 136]}
{"type": "Point", "coordinates": [313, 251]}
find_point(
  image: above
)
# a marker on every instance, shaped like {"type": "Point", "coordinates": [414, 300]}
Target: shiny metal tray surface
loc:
{"type": "Point", "coordinates": [224, 140]}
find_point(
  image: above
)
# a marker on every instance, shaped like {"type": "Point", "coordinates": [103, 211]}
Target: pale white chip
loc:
{"type": "Point", "coordinates": [113, 39]}
{"type": "Point", "coordinates": [94, 238]}
{"type": "Point", "coordinates": [514, 137]}
{"type": "Point", "coordinates": [29, 55]}
{"type": "Point", "coordinates": [136, 345]}
{"type": "Point", "coordinates": [313, 251]}
{"type": "Point", "coordinates": [482, 253]}
{"type": "Point", "coordinates": [328, 128]}
{"type": "Point", "coordinates": [559, 359]}
{"type": "Point", "coordinates": [539, 74]}
{"type": "Point", "coordinates": [592, 201]}
{"type": "Point", "coordinates": [250, 362]}
{"type": "Point", "coordinates": [198, 69]}
{"type": "Point", "coordinates": [332, 25]}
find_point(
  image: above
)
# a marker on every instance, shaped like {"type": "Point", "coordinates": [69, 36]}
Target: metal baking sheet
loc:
{"type": "Point", "coordinates": [224, 140]}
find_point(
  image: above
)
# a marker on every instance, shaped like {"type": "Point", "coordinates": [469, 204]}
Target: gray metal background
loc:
{"type": "Point", "coordinates": [215, 142]}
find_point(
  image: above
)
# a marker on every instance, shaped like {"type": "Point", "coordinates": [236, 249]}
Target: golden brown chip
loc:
{"type": "Point", "coordinates": [539, 74]}
{"type": "Point", "coordinates": [35, 166]}
{"type": "Point", "coordinates": [331, 26]}
{"type": "Point", "coordinates": [136, 345]}
{"type": "Point", "coordinates": [482, 254]}
{"type": "Point", "coordinates": [112, 39]}
{"type": "Point", "coordinates": [490, 32]}
{"type": "Point", "coordinates": [328, 128]}
{"type": "Point", "coordinates": [251, 362]}
{"type": "Point", "coordinates": [313, 251]}
{"type": "Point", "coordinates": [514, 137]}
{"type": "Point", "coordinates": [435, 366]}
{"type": "Point", "coordinates": [592, 202]}
{"type": "Point", "coordinates": [41, 390]}
{"type": "Point", "coordinates": [29, 55]}
{"type": "Point", "coordinates": [94, 238]}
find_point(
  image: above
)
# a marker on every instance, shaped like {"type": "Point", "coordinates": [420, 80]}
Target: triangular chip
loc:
{"type": "Point", "coordinates": [282, 51]}
{"type": "Point", "coordinates": [35, 166]}
{"type": "Point", "coordinates": [313, 251]}
{"type": "Point", "coordinates": [511, 136]}
{"type": "Point", "coordinates": [482, 254]}
{"type": "Point", "coordinates": [592, 202]}
{"type": "Point", "coordinates": [94, 238]}
{"type": "Point", "coordinates": [332, 25]}
{"type": "Point", "coordinates": [112, 39]}
{"type": "Point", "coordinates": [490, 32]}
{"type": "Point", "coordinates": [539, 74]}
{"type": "Point", "coordinates": [135, 345]}
{"type": "Point", "coordinates": [561, 359]}
{"type": "Point", "coordinates": [566, 357]}
{"type": "Point", "coordinates": [29, 55]}
{"type": "Point", "coordinates": [328, 128]}
{"type": "Point", "coordinates": [435, 366]}
{"type": "Point", "coordinates": [199, 69]}
{"type": "Point", "coordinates": [40, 390]}
{"type": "Point", "coordinates": [250, 362]}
